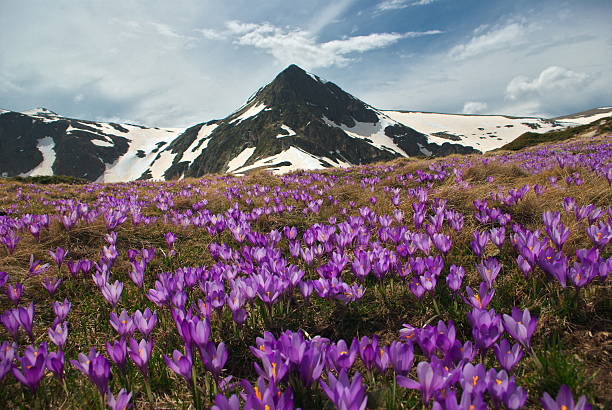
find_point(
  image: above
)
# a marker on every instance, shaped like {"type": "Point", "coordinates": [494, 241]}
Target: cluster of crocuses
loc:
{"type": "Point", "coordinates": [332, 260]}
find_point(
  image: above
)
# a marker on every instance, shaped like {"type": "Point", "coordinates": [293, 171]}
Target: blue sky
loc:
{"type": "Point", "coordinates": [177, 63]}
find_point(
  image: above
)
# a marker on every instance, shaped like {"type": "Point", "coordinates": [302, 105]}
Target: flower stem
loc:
{"type": "Point", "coordinates": [196, 400]}
{"type": "Point", "coordinates": [149, 393]}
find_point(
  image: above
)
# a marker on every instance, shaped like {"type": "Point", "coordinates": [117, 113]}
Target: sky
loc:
{"type": "Point", "coordinates": [182, 62]}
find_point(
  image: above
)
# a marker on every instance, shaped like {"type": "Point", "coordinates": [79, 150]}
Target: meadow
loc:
{"type": "Point", "coordinates": [466, 282]}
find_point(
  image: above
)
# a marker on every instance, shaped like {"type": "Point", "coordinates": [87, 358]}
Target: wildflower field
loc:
{"type": "Point", "coordinates": [467, 282]}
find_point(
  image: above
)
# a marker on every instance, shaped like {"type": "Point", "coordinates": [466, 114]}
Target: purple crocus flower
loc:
{"type": "Point", "coordinates": [514, 397]}
{"type": "Point", "coordinates": [58, 256]}
{"type": "Point", "coordinates": [7, 355]}
{"type": "Point", "coordinates": [274, 367]}
{"type": "Point", "coordinates": [564, 401]}
{"type": "Point", "coordinates": [180, 364]}
{"type": "Point", "coordinates": [121, 401]}
{"type": "Point", "coordinates": [55, 363]}
{"type": "Point", "coordinates": [112, 292]}
{"type": "Point", "coordinates": [37, 267]}
{"type": "Point", "coordinates": [520, 325]}
{"type": "Point", "coordinates": [340, 356]}
{"type": "Point", "coordinates": [473, 378]}
{"type": "Point", "coordinates": [507, 355]}
{"type": "Point", "coordinates": [123, 323]}
{"type": "Point", "coordinates": [223, 403]}
{"type": "Point", "coordinates": [455, 278]}
{"type": "Point", "coordinates": [401, 356]}
{"type": "Point", "coordinates": [14, 292]}
{"type": "Point", "coordinates": [600, 234]}
{"type": "Point", "coordinates": [170, 239]}
{"type": "Point", "coordinates": [498, 384]}
{"type": "Point", "coordinates": [214, 357]}
{"type": "Point", "coordinates": [10, 320]}
{"type": "Point", "coordinates": [140, 353]}
{"type": "Point", "coordinates": [118, 352]}
{"type": "Point", "coordinates": [497, 236]}
{"type": "Point", "coordinates": [311, 365]}
{"type": "Point", "coordinates": [430, 381]}
{"type": "Point", "coordinates": [481, 299]}
{"type": "Point", "coordinates": [61, 311]}
{"type": "Point", "coordinates": [51, 285]}
{"type": "Point", "coordinates": [4, 277]}
{"type": "Point", "coordinates": [345, 393]}
{"type": "Point", "coordinates": [137, 273]}
{"type": "Point", "coordinates": [489, 270]}
{"type": "Point", "coordinates": [442, 242]}
{"type": "Point", "coordinates": [480, 242]}
{"type": "Point", "coordinates": [31, 369]}
{"type": "Point", "coordinates": [26, 318]}
{"type": "Point", "coordinates": [486, 327]}
{"type": "Point", "coordinates": [99, 372]}
{"type": "Point", "coordinates": [58, 334]}
{"type": "Point", "coordinates": [145, 321]}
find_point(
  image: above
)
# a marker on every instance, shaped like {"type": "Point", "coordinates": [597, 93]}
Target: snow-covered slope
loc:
{"type": "Point", "coordinates": [41, 142]}
{"type": "Point", "coordinates": [483, 132]}
{"type": "Point", "coordinates": [586, 117]}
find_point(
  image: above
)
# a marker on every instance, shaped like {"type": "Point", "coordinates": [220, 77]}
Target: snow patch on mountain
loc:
{"type": "Point", "coordinates": [196, 148]}
{"type": "Point", "coordinates": [289, 130]}
{"type": "Point", "coordinates": [240, 159]}
{"type": "Point", "coordinates": [373, 132]}
{"type": "Point", "coordinates": [298, 159]}
{"type": "Point", "coordinates": [142, 144]}
{"type": "Point", "coordinates": [251, 112]}
{"type": "Point", "coordinates": [102, 143]}
{"type": "Point", "coordinates": [46, 146]}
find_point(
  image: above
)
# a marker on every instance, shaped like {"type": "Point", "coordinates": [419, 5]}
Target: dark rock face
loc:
{"type": "Point", "coordinates": [76, 154]}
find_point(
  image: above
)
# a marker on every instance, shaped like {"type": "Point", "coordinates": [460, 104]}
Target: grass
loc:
{"type": "Point", "coordinates": [569, 347]}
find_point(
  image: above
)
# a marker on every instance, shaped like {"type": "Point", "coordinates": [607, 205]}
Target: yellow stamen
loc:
{"type": "Point", "coordinates": [274, 369]}
{"type": "Point", "coordinates": [498, 381]}
{"type": "Point", "coordinates": [257, 393]}
{"type": "Point", "coordinates": [474, 380]}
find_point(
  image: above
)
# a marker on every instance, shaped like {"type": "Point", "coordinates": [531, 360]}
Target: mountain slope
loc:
{"type": "Point", "coordinates": [482, 132]}
{"type": "Point", "coordinates": [40, 142]}
{"type": "Point", "coordinates": [298, 121]}
{"type": "Point", "coordinates": [598, 127]}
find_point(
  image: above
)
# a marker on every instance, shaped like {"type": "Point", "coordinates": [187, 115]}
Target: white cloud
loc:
{"type": "Point", "coordinates": [442, 82]}
{"type": "Point", "coordinates": [423, 2]}
{"type": "Point", "coordinates": [392, 5]}
{"type": "Point", "coordinates": [387, 5]}
{"type": "Point", "coordinates": [301, 47]}
{"type": "Point", "coordinates": [210, 34]}
{"type": "Point", "coordinates": [474, 107]}
{"type": "Point", "coordinates": [499, 38]}
{"type": "Point", "coordinates": [551, 80]}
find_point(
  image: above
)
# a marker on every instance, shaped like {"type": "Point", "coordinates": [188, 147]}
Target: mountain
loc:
{"type": "Point", "coordinates": [298, 121]}
{"type": "Point", "coordinates": [482, 132]}
{"type": "Point", "coordinates": [601, 126]}
{"type": "Point", "coordinates": [41, 142]}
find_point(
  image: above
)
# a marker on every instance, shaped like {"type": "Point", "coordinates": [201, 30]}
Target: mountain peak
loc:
{"type": "Point", "coordinates": [294, 89]}
{"type": "Point", "coordinates": [39, 111]}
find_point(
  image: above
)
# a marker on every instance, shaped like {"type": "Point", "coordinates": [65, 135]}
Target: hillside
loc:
{"type": "Point", "coordinates": [601, 126]}
{"type": "Point", "coordinates": [489, 273]}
